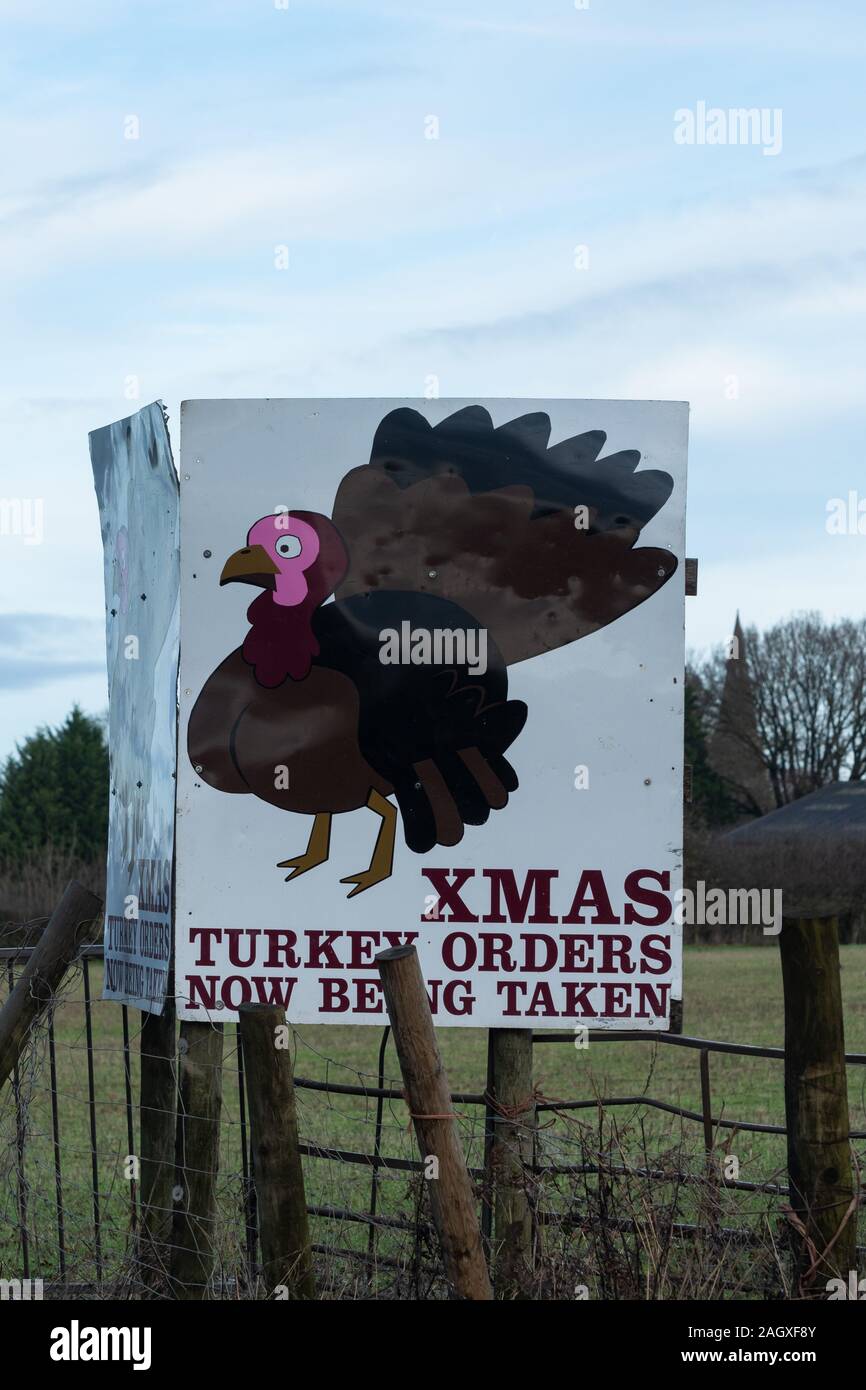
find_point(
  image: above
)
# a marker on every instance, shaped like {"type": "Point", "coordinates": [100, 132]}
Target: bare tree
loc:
{"type": "Point", "coordinates": [803, 716]}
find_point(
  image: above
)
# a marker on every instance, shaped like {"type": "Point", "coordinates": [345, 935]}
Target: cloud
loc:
{"type": "Point", "coordinates": [652, 283]}
{"type": "Point", "coordinates": [26, 674]}
{"type": "Point", "coordinates": [40, 648]}
{"type": "Point", "coordinates": [769, 582]}
{"type": "Point", "coordinates": [33, 13]}
{"type": "Point", "coordinates": [806, 231]}
{"type": "Point", "coordinates": [176, 208]}
{"type": "Point", "coordinates": [412, 258]}
{"type": "Point", "coordinates": [248, 199]}
{"type": "Point", "coordinates": [674, 27]}
{"type": "Point", "coordinates": [63, 197]}
{"type": "Point", "coordinates": [733, 389]}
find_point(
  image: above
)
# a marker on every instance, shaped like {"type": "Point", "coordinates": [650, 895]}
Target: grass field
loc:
{"type": "Point", "coordinates": [731, 994]}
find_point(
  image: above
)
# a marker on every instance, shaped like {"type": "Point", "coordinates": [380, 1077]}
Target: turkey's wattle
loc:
{"type": "Point", "coordinates": [300, 558]}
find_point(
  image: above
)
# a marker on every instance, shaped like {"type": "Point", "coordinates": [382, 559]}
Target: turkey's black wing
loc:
{"type": "Point", "coordinates": [436, 731]}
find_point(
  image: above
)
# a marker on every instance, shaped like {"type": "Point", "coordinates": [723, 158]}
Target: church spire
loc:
{"type": "Point", "coordinates": [735, 750]}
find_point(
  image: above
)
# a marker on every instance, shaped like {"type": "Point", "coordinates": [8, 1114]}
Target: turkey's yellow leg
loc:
{"type": "Point", "coordinates": [316, 852]}
{"type": "Point", "coordinates": [383, 855]}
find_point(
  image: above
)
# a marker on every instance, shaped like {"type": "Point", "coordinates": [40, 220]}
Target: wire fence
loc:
{"type": "Point", "coordinates": [631, 1196]}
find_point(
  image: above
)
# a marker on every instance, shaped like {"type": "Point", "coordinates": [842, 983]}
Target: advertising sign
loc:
{"type": "Point", "coordinates": [136, 487]}
{"type": "Point", "coordinates": [431, 691]}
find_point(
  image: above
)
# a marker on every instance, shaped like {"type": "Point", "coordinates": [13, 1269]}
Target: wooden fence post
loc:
{"type": "Point", "coordinates": [511, 1156]}
{"type": "Point", "coordinates": [196, 1157]}
{"type": "Point", "coordinates": [816, 1103]}
{"type": "Point", "coordinates": [710, 1206]}
{"type": "Point", "coordinates": [157, 1105]}
{"type": "Point", "coordinates": [277, 1170]}
{"type": "Point", "coordinates": [428, 1096]}
{"type": "Point", "coordinates": [70, 926]}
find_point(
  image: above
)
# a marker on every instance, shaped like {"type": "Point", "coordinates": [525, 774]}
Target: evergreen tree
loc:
{"type": "Point", "coordinates": [710, 797]}
{"type": "Point", "coordinates": [54, 790]}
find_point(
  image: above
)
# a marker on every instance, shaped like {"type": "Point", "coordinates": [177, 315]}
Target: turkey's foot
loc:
{"type": "Point", "coordinates": [383, 855]}
{"type": "Point", "coordinates": [316, 852]}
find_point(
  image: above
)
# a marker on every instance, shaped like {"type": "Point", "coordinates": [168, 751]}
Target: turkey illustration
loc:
{"type": "Point", "coordinates": [460, 529]}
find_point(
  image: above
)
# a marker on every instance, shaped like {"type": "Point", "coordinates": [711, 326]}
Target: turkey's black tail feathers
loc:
{"type": "Point", "coordinates": [466, 444]}
{"type": "Point", "coordinates": [460, 784]}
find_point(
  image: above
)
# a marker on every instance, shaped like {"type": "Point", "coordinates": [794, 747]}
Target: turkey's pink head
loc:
{"type": "Point", "coordinates": [297, 555]}
{"type": "Point", "coordinates": [299, 558]}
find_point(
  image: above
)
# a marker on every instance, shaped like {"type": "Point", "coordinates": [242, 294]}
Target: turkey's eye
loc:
{"type": "Point", "coordinates": [288, 547]}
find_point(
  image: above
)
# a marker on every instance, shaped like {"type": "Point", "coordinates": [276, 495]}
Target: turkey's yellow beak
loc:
{"type": "Point", "coordinates": [252, 565]}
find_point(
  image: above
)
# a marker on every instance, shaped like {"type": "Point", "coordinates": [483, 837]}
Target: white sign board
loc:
{"type": "Point", "coordinates": [136, 487]}
{"type": "Point", "coordinates": [432, 691]}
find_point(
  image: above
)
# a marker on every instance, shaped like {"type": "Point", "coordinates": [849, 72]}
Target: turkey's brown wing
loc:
{"type": "Point", "coordinates": [536, 583]}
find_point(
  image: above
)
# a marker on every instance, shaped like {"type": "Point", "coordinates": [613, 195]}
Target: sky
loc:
{"type": "Point", "coordinates": [498, 196]}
